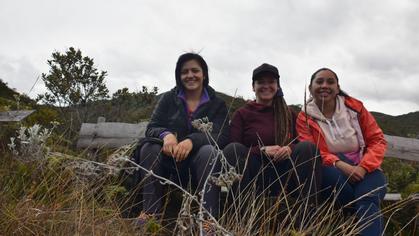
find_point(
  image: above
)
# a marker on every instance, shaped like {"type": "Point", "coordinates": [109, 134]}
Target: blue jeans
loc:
{"type": "Point", "coordinates": [371, 188]}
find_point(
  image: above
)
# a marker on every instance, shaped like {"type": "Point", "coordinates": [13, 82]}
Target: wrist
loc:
{"type": "Point", "coordinates": [336, 163]}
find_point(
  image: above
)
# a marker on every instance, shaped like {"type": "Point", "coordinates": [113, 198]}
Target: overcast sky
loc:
{"type": "Point", "coordinates": [373, 46]}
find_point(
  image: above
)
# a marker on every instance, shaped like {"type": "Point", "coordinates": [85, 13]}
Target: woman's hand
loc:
{"type": "Point", "coordinates": [358, 174]}
{"type": "Point", "coordinates": [169, 144]}
{"type": "Point", "coordinates": [354, 173]}
{"type": "Point", "coordinates": [276, 152]}
{"type": "Point", "coordinates": [182, 150]}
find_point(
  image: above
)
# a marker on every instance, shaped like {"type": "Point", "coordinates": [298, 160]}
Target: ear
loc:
{"type": "Point", "coordinates": [253, 87]}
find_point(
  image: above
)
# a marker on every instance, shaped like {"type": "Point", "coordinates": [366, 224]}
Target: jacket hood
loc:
{"type": "Point", "coordinates": [313, 110]}
{"type": "Point", "coordinates": [332, 124]}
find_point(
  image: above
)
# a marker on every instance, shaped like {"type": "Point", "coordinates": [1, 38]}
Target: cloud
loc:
{"type": "Point", "coordinates": [371, 46]}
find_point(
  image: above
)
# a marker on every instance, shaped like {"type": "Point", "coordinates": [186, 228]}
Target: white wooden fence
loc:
{"type": "Point", "coordinates": [113, 135]}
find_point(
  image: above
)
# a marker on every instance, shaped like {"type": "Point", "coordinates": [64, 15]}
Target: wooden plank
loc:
{"type": "Point", "coordinates": [109, 134]}
{"type": "Point", "coordinates": [112, 134]}
{"type": "Point", "coordinates": [393, 197]}
{"type": "Point", "coordinates": [13, 116]}
{"type": "Point", "coordinates": [86, 142]}
{"type": "Point", "coordinates": [402, 148]}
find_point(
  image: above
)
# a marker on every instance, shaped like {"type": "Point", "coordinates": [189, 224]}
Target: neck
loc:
{"type": "Point", "coordinates": [264, 102]}
{"type": "Point", "coordinates": [327, 108]}
{"type": "Point", "coordinates": [193, 94]}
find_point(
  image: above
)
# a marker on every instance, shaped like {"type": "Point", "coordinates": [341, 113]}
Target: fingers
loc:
{"type": "Point", "coordinates": [168, 149]}
{"type": "Point", "coordinates": [180, 153]}
{"type": "Point", "coordinates": [169, 144]}
{"type": "Point", "coordinates": [182, 150]}
{"type": "Point", "coordinates": [282, 153]}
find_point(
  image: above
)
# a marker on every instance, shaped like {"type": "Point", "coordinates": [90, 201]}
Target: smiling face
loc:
{"type": "Point", "coordinates": [324, 87]}
{"type": "Point", "coordinates": [265, 88]}
{"type": "Point", "coordinates": [192, 76]}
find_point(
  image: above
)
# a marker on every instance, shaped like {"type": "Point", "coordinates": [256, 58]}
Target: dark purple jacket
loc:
{"type": "Point", "coordinates": [253, 126]}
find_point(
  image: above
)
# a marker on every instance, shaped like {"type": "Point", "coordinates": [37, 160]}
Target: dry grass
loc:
{"type": "Point", "coordinates": [62, 194]}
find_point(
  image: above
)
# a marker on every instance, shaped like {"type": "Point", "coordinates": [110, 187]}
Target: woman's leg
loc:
{"type": "Point", "coordinates": [370, 192]}
{"type": "Point", "coordinates": [336, 185]}
{"type": "Point", "coordinates": [202, 166]}
{"type": "Point", "coordinates": [236, 155]}
{"type": "Point", "coordinates": [151, 158]}
{"type": "Point", "coordinates": [306, 170]}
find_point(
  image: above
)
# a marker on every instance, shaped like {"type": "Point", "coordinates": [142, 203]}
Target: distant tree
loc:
{"type": "Point", "coordinates": [73, 80]}
{"type": "Point", "coordinates": [126, 102]}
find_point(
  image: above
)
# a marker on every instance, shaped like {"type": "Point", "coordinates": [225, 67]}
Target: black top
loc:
{"type": "Point", "coordinates": [170, 114]}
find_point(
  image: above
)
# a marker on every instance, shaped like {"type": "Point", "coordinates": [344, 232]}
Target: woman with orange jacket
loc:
{"type": "Point", "coordinates": [352, 147]}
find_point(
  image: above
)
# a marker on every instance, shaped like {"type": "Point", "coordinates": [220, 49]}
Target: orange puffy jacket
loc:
{"type": "Point", "coordinates": [375, 144]}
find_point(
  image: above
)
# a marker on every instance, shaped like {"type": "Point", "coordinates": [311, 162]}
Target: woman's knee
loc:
{"type": "Point", "coordinates": [207, 151]}
{"type": "Point", "coordinates": [372, 188]}
{"type": "Point", "coordinates": [235, 148]}
{"type": "Point", "coordinates": [306, 150]}
{"type": "Point", "coordinates": [236, 154]}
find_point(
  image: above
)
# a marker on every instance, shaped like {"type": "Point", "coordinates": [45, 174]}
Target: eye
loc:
{"type": "Point", "coordinates": [319, 80]}
{"type": "Point", "coordinates": [331, 81]}
{"type": "Point", "coordinates": [196, 70]}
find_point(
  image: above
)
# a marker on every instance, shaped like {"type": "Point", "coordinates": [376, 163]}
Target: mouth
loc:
{"type": "Point", "coordinates": [324, 93]}
{"type": "Point", "coordinates": [190, 81]}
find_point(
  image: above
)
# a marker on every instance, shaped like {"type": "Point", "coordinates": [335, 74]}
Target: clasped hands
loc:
{"type": "Point", "coordinates": [179, 151]}
{"type": "Point", "coordinates": [355, 173]}
{"type": "Point", "coordinates": [276, 152]}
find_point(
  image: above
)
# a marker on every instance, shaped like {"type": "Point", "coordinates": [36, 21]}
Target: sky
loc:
{"type": "Point", "coordinates": [372, 44]}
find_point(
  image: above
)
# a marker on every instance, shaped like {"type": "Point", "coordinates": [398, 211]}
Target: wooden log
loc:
{"type": "Point", "coordinates": [109, 134]}
{"type": "Point", "coordinates": [114, 134]}
{"type": "Point", "coordinates": [14, 116]}
{"type": "Point", "coordinates": [402, 148]}
{"type": "Point", "coordinates": [393, 197]}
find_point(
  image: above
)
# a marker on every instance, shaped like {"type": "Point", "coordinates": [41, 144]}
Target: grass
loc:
{"type": "Point", "coordinates": [62, 194]}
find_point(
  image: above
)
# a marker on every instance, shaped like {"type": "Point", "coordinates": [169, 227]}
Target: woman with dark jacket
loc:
{"type": "Point", "coordinates": [352, 147]}
{"type": "Point", "coordinates": [263, 134]}
{"type": "Point", "coordinates": [173, 146]}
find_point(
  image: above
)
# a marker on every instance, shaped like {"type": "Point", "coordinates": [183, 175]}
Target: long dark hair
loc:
{"type": "Point", "coordinates": [188, 57]}
{"type": "Point", "coordinates": [283, 121]}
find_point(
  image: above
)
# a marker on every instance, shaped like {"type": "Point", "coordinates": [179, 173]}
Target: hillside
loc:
{"type": "Point", "coordinates": [406, 125]}
{"type": "Point", "coordinates": [138, 106]}
{"type": "Point", "coordinates": [7, 95]}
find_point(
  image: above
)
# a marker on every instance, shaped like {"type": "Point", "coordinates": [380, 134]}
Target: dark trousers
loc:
{"type": "Point", "coordinates": [370, 192]}
{"type": "Point", "coordinates": [302, 171]}
{"type": "Point", "coordinates": [196, 167]}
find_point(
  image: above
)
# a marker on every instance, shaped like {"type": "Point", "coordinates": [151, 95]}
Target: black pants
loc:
{"type": "Point", "coordinates": [302, 171]}
{"type": "Point", "coordinates": [196, 166]}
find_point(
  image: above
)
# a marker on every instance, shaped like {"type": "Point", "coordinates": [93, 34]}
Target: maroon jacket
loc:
{"type": "Point", "coordinates": [253, 126]}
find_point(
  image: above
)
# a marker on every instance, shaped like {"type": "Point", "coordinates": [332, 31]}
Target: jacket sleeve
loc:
{"type": "Point", "coordinates": [307, 132]}
{"type": "Point", "coordinates": [220, 129]}
{"type": "Point", "coordinates": [159, 122]}
{"type": "Point", "coordinates": [375, 142]}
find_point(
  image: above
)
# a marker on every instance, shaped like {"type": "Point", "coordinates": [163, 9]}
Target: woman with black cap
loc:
{"type": "Point", "coordinates": [263, 136]}
{"type": "Point", "coordinates": [173, 146]}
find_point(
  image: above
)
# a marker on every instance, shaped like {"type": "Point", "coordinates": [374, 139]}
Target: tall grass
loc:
{"type": "Point", "coordinates": [62, 194]}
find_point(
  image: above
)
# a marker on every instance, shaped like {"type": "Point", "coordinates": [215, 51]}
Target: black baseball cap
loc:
{"type": "Point", "coordinates": [265, 68]}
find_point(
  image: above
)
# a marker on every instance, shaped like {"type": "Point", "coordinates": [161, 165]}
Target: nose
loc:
{"type": "Point", "coordinates": [190, 73]}
{"type": "Point", "coordinates": [323, 84]}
